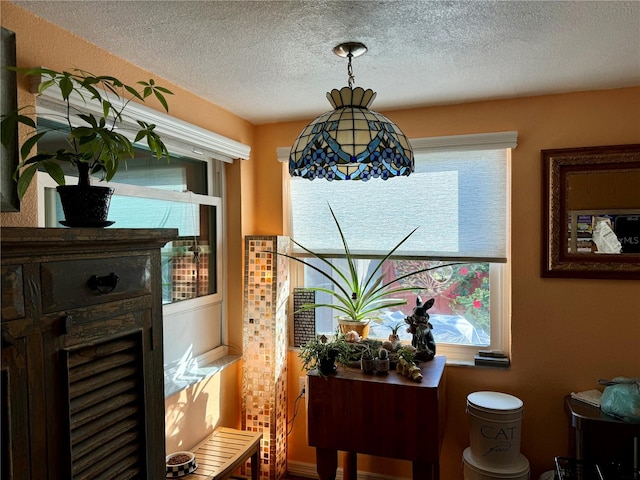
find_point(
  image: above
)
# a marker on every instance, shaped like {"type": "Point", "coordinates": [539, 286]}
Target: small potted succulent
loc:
{"type": "Point", "coordinates": [382, 361]}
{"type": "Point", "coordinates": [394, 338]}
{"type": "Point", "coordinates": [367, 362]}
{"type": "Point", "coordinates": [94, 145]}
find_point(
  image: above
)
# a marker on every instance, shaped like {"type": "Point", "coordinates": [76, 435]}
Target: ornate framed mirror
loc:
{"type": "Point", "coordinates": [591, 212]}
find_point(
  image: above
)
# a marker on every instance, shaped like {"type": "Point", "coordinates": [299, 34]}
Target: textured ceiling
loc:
{"type": "Point", "coordinates": [271, 61]}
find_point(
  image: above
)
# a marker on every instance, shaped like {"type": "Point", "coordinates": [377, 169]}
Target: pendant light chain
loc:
{"type": "Point", "coordinates": [350, 70]}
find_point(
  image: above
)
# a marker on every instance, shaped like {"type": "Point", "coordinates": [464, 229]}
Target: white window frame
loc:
{"type": "Point", "coordinates": [500, 273]}
{"type": "Point", "coordinates": [181, 138]}
{"type": "Point", "coordinates": [46, 209]}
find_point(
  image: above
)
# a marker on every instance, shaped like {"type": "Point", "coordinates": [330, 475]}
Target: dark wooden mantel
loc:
{"type": "Point", "coordinates": [81, 364]}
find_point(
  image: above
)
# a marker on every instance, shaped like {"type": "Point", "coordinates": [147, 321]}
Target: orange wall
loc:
{"type": "Point", "coordinates": [566, 334]}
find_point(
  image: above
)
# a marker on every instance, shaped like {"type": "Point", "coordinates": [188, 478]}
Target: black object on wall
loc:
{"type": "Point", "coordinates": [9, 201]}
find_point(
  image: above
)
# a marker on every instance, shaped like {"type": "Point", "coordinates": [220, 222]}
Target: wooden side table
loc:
{"type": "Point", "coordinates": [224, 452]}
{"type": "Point", "coordinates": [598, 437]}
{"type": "Point", "coordinates": [382, 415]}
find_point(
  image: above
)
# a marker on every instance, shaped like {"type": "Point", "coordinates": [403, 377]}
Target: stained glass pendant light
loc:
{"type": "Point", "coordinates": [351, 142]}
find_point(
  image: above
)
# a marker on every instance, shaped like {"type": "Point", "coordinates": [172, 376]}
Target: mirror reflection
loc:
{"type": "Point", "coordinates": [603, 211]}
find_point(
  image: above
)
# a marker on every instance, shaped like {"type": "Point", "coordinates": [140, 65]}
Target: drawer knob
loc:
{"type": "Point", "coordinates": [103, 284]}
{"type": "Point", "coordinates": [67, 324]}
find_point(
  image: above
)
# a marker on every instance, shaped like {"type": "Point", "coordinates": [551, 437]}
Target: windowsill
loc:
{"type": "Point", "coordinates": [460, 363]}
{"type": "Point", "coordinates": [184, 374]}
{"type": "Point", "coordinates": [450, 362]}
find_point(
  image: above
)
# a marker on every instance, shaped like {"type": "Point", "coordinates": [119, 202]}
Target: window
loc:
{"type": "Point", "coordinates": [186, 193]}
{"type": "Point", "coordinates": [157, 194]}
{"type": "Point", "coordinates": [190, 263]}
{"type": "Point", "coordinates": [458, 198]}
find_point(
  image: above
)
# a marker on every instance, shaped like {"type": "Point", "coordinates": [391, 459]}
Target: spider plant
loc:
{"type": "Point", "coordinates": [357, 297]}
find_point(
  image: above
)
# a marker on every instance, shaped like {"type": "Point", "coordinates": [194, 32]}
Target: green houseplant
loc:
{"type": "Point", "coordinates": [323, 354]}
{"type": "Point", "coordinates": [94, 145]}
{"type": "Point", "coordinates": [357, 298]}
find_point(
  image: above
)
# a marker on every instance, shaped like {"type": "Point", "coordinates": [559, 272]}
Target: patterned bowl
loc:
{"type": "Point", "coordinates": [180, 464]}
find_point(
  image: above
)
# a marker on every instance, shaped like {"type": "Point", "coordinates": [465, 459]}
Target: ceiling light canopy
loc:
{"type": "Point", "coordinates": [351, 142]}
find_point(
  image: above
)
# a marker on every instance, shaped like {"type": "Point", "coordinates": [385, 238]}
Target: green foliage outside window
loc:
{"type": "Point", "coordinates": [471, 297]}
{"type": "Point", "coordinates": [458, 289]}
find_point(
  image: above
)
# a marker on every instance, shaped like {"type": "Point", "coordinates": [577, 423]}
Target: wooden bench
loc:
{"type": "Point", "coordinates": [224, 452]}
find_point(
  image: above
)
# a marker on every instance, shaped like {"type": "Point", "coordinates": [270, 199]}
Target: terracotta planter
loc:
{"type": "Point", "coordinates": [362, 328]}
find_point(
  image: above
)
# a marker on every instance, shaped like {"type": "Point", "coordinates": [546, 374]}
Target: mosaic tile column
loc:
{"type": "Point", "coordinates": [265, 337]}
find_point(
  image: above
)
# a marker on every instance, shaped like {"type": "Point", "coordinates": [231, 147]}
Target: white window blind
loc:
{"type": "Point", "coordinates": [457, 197]}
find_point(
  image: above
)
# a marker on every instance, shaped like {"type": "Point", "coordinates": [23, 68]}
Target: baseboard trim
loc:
{"type": "Point", "coordinates": [308, 470]}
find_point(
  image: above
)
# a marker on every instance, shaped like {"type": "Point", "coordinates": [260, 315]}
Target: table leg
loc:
{"type": "Point", "coordinates": [350, 466]}
{"type": "Point", "coordinates": [327, 463]}
{"type": "Point", "coordinates": [579, 443]}
{"type": "Point", "coordinates": [255, 466]}
{"type": "Point", "coordinates": [426, 471]}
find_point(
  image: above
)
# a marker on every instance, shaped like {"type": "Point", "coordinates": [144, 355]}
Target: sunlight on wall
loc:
{"type": "Point", "coordinates": [192, 414]}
